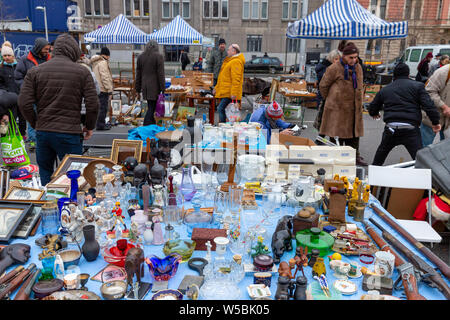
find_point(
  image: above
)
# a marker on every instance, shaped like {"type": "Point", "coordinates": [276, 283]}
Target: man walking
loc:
{"type": "Point", "coordinates": [57, 88]}
{"type": "Point", "coordinates": [402, 101]}
{"type": "Point", "coordinates": [342, 87]}
{"type": "Point", "coordinates": [38, 55]}
{"type": "Point", "coordinates": [102, 71]}
{"type": "Point", "coordinates": [216, 60]}
{"type": "Point", "coordinates": [230, 81]}
{"type": "Point", "coordinates": [438, 87]}
{"type": "Point", "coordinates": [184, 58]}
{"type": "Point", "coordinates": [150, 78]}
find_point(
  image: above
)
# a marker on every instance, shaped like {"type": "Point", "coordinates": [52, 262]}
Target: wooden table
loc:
{"type": "Point", "coordinates": [212, 104]}
{"type": "Point", "coordinates": [129, 93]}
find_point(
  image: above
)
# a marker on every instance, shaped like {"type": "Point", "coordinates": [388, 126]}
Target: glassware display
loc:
{"type": "Point", "coordinates": [48, 268]}
{"type": "Point", "coordinates": [118, 172]}
{"type": "Point", "coordinates": [145, 197]}
{"type": "Point", "coordinates": [252, 167]}
{"type": "Point", "coordinates": [268, 208]}
{"type": "Point", "coordinates": [99, 185]}
{"type": "Point", "coordinates": [198, 218]}
{"type": "Point", "coordinates": [184, 247]}
{"type": "Point", "coordinates": [187, 187]}
{"type": "Point", "coordinates": [314, 238]}
{"type": "Point", "coordinates": [50, 218]}
{"type": "Point", "coordinates": [304, 189]}
{"type": "Point", "coordinates": [220, 205]}
{"type": "Point", "coordinates": [163, 269]}
{"type": "Point", "coordinates": [159, 196]}
{"type": "Point", "coordinates": [73, 175]}
{"type": "Point", "coordinates": [116, 253]}
{"type": "Point", "coordinates": [235, 197]}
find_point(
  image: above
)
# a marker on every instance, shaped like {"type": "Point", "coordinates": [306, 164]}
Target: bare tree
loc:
{"type": "Point", "coordinates": [4, 17]}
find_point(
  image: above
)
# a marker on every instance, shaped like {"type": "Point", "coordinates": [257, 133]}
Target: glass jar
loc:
{"type": "Point", "coordinates": [50, 218]}
{"type": "Point", "coordinates": [198, 218]}
{"type": "Point", "coordinates": [252, 167]}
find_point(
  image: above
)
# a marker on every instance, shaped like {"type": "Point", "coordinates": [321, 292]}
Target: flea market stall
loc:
{"type": "Point", "coordinates": [212, 213]}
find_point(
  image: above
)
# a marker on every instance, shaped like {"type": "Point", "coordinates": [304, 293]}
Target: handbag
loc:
{"type": "Point", "coordinates": [160, 108]}
{"type": "Point", "coordinates": [14, 153]}
{"type": "Point", "coordinates": [233, 112]}
{"type": "Point", "coordinates": [437, 158]}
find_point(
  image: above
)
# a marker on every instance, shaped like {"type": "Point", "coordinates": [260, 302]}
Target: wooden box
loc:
{"type": "Point", "coordinates": [202, 235]}
{"type": "Point", "coordinates": [305, 223]}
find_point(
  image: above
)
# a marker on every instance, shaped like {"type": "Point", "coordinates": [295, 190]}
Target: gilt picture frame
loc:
{"type": "Point", "coordinates": [73, 162]}
{"type": "Point", "coordinates": [133, 145]}
{"type": "Point", "coordinates": [24, 194]}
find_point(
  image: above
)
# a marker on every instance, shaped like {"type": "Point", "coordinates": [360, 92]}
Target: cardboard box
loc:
{"type": "Point", "coordinates": [292, 112]}
{"type": "Point", "coordinates": [307, 170]}
{"type": "Point", "coordinates": [347, 171]}
{"type": "Point", "coordinates": [294, 167]}
{"type": "Point", "coordinates": [300, 152]}
{"type": "Point", "coordinates": [276, 151]}
{"type": "Point", "coordinates": [345, 155]}
{"type": "Point", "coordinates": [288, 140]}
{"type": "Point", "coordinates": [323, 154]}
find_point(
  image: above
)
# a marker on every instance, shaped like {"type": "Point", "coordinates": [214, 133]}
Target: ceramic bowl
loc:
{"type": "Point", "coordinates": [168, 294]}
{"type": "Point", "coordinates": [113, 290]}
{"type": "Point", "coordinates": [70, 257]}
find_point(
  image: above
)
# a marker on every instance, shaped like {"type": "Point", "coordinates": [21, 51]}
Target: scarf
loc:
{"type": "Point", "coordinates": [346, 73]}
{"type": "Point", "coordinates": [272, 122]}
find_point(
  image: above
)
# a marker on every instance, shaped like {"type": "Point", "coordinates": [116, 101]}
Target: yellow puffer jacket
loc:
{"type": "Point", "coordinates": [231, 77]}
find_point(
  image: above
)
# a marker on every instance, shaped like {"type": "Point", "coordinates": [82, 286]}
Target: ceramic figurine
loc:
{"type": "Point", "coordinates": [117, 211]}
{"type": "Point", "coordinates": [74, 223]}
{"type": "Point", "coordinates": [140, 174]}
{"type": "Point", "coordinates": [17, 253]}
{"type": "Point", "coordinates": [157, 173]}
{"type": "Point", "coordinates": [281, 241]}
{"type": "Point", "coordinates": [355, 193]}
{"type": "Point", "coordinates": [366, 193]}
{"type": "Point", "coordinates": [148, 233]}
{"type": "Point", "coordinates": [134, 232]}
{"type": "Point", "coordinates": [336, 177]}
{"type": "Point", "coordinates": [301, 259]}
{"type": "Point", "coordinates": [284, 270]}
{"type": "Point", "coordinates": [346, 185]}
{"type": "Point", "coordinates": [319, 267]}
{"type": "Point", "coordinates": [312, 260]}
{"type": "Point", "coordinates": [282, 288]}
{"type": "Point", "coordinates": [158, 237]}
{"type": "Point", "coordinates": [300, 288]}
{"type": "Point", "coordinates": [259, 248]}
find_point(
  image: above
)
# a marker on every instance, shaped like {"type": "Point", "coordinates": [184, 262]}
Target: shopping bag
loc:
{"type": "Point", "coordinates": [233, 112]}
{"type": "Point", "coordinates": [160, 109]}
{"type": "Point", "coordinates": [14, 153]}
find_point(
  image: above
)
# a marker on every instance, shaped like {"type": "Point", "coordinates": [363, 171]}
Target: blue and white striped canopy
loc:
{"type": "Point", "coordinates": [345, 19]}
{"type": "Point", "coordinates": [177, 32]}
{"type": "Point", "coordinates": [119, 30]}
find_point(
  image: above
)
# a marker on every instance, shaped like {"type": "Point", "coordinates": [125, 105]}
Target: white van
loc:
{"type": "Point", "coordinates": [413, 55]}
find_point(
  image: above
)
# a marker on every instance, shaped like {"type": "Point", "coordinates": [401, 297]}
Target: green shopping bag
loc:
{"type": "Point", "coordinates": [14, 153]}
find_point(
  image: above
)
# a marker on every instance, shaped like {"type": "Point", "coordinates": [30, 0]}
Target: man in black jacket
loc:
{"type": "Point", "coordinates": [402, 101]}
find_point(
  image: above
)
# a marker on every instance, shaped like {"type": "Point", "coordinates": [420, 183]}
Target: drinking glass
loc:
{"type": "Point", "coordinates": [220, 204]}
{"type": "Point", "coordinates": [235, 198]}
{"type": "Point", "coordinates": [268, 208]}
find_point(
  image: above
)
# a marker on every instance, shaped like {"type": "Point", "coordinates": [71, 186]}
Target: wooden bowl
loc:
{"type": "Point", "coordinates": [88, 172]}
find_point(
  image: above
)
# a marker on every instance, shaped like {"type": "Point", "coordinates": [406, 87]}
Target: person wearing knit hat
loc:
{"type": "Point", "coordinates": [342, 88]}
{"type": "Point", "coordinates": [423, 68]}
{"type": "Point", "coordinates": [9, 90]}
{"type": "Point", "coordinates": [216, 59]}
{"type": "Point", "coordinates": [102, 71]}
{"type": "Point", "coordinates": [36, 56]}
{"type": "Point", "coordinates": [7, 43]}
{"type": "Point", "coordinates": [270, 118]}
{"type": "Point", "coordinates": [402, 102]}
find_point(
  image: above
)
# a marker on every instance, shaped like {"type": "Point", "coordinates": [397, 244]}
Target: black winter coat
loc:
{"type": "Point", "coordinates": [26, 63]}
{"type": "Point", "coordinates": [7, 81]}
{"type": "Point", "coordinates": [402, 101]}
{"type": "Point", "coordinates": [150, 77]}
{"type": "Point", "coordinates": [321, 67]}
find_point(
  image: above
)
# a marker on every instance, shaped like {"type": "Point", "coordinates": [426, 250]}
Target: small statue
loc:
{"type": "Point", "coordinates": [158, 237]}
{"type": "Point", "coordinates": [284, 270]}
{"type": "Point", "coordinates": [366, 193]}
{"type": "Point", "coordinates": [336, 177]}
{"type": "Point", "coordinates": [314, 255]}
{"type": "Point", "coordinates": [355, 192]}
{"type": "Point", "coordinates": [90, 198]}
{"type": "Point", "coordinates": [51, 243]}
{"type": "Point", "coordinates": [281, 241]}
{"type": "Point", "coordinates": [300, 288]}
{"type": "Point", "coordinates": [157, 173]}
{"type": "Point", "coordinates": [17, 253]}
{"type": "Point", "coordinates": [301, 259]}
{"type": "Point", "coordinates": [74, 222]}
{"type": "Point", "coordinates": [346, 185]}
{"type": "Point", "coordinates": [140, 174]}
{"type": "Point", "coordinates": [134, 232]}
{"type": "Point", "coordinates": [134, 265]}
{"type": "Point", "coordinates": [282, 288]}
{"type": "Point", "coordinates": [117, 211]}
{"type": "Point", "coordinates": [259, 248]}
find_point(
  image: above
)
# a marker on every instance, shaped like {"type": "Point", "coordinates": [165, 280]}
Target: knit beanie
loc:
{"type": "Point", "coordinates": [274, 110]}
{"type": "Point", "coordinates": [39, 44]}
{"type": "Point", "coordinates": [105, 51]}
{"type": "Point", "coordinates": [7, 43]}
{"type": "Point", "coordinates": [7, 51]}
{"type": "Point", "coordinates": [349, 49]}
{"type": "Point", "coordinates": [401, 70]}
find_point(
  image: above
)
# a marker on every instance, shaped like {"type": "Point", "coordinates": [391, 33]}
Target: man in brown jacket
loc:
{"type": "Point", "coordinates": [150, 78]}
{"type": "Point", "coordinates": [102, 71]}
{"type": "Point", "coordinates": [342, 87]}
{"type": "Point", "coordinates": [57, 88]}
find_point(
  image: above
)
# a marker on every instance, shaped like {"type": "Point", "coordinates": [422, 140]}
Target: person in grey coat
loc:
{"type": "Point", "coordinates": [217, 56]}
{"type": "Point", "coordinates": [150, 78]}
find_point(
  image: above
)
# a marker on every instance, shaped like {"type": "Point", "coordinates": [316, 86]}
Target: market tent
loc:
{"type": "Point", "coordinates": [177, 32]}
{"type": "Point", "coordinates": [345, 19]}
{"type": "Point", "coordinates": [119, 30]}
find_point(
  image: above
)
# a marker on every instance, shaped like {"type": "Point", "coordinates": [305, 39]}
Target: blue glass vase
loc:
{"type": "Point", "coordinates": [163, 269]}
{"type": "Point", "coordinates": [73, 175]}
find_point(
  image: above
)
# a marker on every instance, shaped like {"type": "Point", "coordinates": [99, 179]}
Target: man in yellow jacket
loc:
{"type": "Point", "coordinates": [230, 80]}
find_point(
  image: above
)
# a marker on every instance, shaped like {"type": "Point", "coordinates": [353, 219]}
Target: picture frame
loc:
{"type": "Point", "coordinates": [11, 215]}
{"type": "Point", "coordinates": [112, 272]}
{"type": "Point", "coordinates": [73, 162]}
{"type": "Point", "coordinates": [63, 180]}
{"type": "Point", "coordinates": [25, 227]}
{"type": "Point", "coordinates": [59, 187]}
{"type": "Point", "coordinates": [135, 145]}
{"type": "Point", "coordinates": [116, 107]}
{"type": "Point", "coordinates": [24, 194]}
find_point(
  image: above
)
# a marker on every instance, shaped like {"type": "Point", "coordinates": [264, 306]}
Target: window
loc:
{"type": "Point", "coordinates": [327, 45]}
{"type": "Point", "coordinates": [383, 5]}
{"type": "Point", "coordinates": [369, 46]}
{"type": "Point", "coordinates": [224, 8]}
{"type": "Point", "coordinates": [439, 13]}
{"type": "Point", "coordinates": [405, 56]}
{"type": "Point", "coordinates": [146, 8]}
{"type": "Point", "coordinates": [215, 13]}
{"type": "Point", "coordinates": [264, 9]}
{"type": "Point", "coordinates": [97, 10]}
{"type": "Point", "coordinates": [425, 52]}
{"type": "Point", "coordinates": [87, 7]}
{"type": "Point", "coordinates": [206, 8]}
{"type": "Point", "coordinates": [246, 9]}
{"type": "Point", "coordinates": [166, 9]}
{"type": "Point", "coordinates": [254, 43]}
{"type": "Point", "coordinates": [175, 9]}
{"type": "Point", "coordinates": [186, 9]}
{"type": "Point", "coordinates": [136, 8]}
{"type": "Point", "coordinates": [417, 9]}
{"type": "Point", "coordinates": [378, 46]}
{"type": "Point", "coordinates": [294, 10]}
{"type": "Point", "coordinates": [415, 55]}
{"type": "Point", "coordinates": [257, 60]}
{"type": "Point", "coordinates": [285, 9]}
{"type": "Point", "coordinates": [408, 7]}
{"type": "Point", "coordinates": [255, 9]}
{"type": "Point", "coordinates": [293, 45]}
{"type": "Point", "coordinates": [445, 52]}
{"type": "Point", "coordinates": [128, 7]}
{"type": "Point", "coordinates": [106, 7]}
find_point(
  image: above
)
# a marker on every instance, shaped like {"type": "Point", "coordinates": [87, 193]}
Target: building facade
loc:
{"type": "Point", "coordinates": [259, 26]}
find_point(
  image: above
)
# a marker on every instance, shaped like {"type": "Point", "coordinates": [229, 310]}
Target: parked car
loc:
{"type": "Point", "coordinates": [413, 55]}
{"type": "Point", "coordinates": [264, 64]}
{"type": "Point", "coordinates": [381, 68]}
